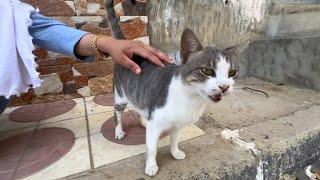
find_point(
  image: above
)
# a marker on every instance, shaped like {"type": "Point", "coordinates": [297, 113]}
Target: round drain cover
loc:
{"type": "Point", "coordinates": [135, 132]}
{"type": "Point", "coordinates": [46, 147]}
{"type": "Point", "coordinates": [104, 100]}
{"type": "Point", "coordinates": [37, 112]}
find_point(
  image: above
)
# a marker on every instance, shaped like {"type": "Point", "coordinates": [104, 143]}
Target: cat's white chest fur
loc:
{"type": "Point", "coordinates": [183, 106]}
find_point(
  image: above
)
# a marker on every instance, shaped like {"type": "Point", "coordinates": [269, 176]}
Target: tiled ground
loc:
{"type": "Point", "coordinates": [89, 148]}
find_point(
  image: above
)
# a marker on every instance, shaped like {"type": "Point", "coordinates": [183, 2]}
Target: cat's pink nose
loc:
{"type": "Point", "coordinates": [224, 88]}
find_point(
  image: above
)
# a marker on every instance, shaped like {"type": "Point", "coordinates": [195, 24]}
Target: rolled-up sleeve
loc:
{"type": "Point", "coordinates": [55, 36]}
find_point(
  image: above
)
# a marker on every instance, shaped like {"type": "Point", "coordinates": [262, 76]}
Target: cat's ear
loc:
{"type": "Point", "coordinates": [232, 51]}
{"type": "Point", "coordinates": [189, 44]}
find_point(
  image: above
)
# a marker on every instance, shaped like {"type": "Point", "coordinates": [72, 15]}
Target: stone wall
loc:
{"type": "Point", "coordinates": [65, 77]}
{"type": "Point", "coordinates": [216, 22]}
{"type": "Point", "coordinates": [225, 23]}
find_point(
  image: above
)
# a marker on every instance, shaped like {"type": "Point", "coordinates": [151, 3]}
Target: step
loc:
{"type": "Point", "coordinates": [286, 144]}
{"type": "Point", "coordinates": [276, 145]}
{"type": "Point", "coordinates": [273, 149]}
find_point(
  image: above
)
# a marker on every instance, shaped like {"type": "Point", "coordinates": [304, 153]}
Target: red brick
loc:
{"type": "Point", "coordinates": [52, 7]}
{"type": "Point", "coordinates": [95, 69]}
{"type": "Point", "coordinates": [43, 70]}
{"type": "Point", "coordinates": [81, 81]}
{"type": "Point", "coordinates": [47, 62]}
{"type": "Point", "coordinates": [23, 99]}
{"type": "Point", "coordinates": [66, 77]}
{"type": "Point", "coordinates": [40, 53]}
{"type": "Point", "coordinates": [134, 29]}
{"type": "Point", "coordinates": [60, 69]}
{"type": "Point", "coordinates": [65, 60]}
{"type": "Point", "coordinates": [96, 29]}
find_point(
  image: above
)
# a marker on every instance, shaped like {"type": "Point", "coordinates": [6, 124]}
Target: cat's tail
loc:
{"type": "Point", "coordinates": [113, 19]}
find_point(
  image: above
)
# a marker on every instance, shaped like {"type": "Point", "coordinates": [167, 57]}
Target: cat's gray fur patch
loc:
{"type": "Point", "coordinates": [149, 89]}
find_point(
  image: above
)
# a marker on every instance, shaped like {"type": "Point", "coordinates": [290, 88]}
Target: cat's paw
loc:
{"type": "Point", "coordinates": [151, 170]}
{"type": "Point", "coordinates": [179, 155]}
{"type": "Point", "coordinates": [119, 135]}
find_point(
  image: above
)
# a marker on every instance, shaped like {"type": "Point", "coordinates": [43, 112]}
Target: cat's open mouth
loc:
{"type": "Point", "coordinates": [216, 97]}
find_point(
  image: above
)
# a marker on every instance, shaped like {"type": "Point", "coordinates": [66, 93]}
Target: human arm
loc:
{"type": "Point", "coordinates": [56, 36]}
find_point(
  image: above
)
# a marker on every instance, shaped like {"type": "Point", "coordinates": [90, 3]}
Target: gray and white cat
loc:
{"type": "Point", "coordinates": [168, 98]}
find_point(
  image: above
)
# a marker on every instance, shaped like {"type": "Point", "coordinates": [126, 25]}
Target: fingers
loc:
{"type": "Point", "coordinates": [129, 64]}
{"type": "Point", "coordinates": [162, 56]}
{"type": "Point", "coordinates": [143, 52]}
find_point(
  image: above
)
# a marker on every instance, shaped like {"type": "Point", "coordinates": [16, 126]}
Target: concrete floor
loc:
{"type": "Point", "coordinates": [263, 137]}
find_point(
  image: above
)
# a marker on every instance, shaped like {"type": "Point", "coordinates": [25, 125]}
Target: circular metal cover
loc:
{"type": "Point", "coordinates": [104, 100]}
{"type": "Point", "coordinates": [135, 133]}
{"type": "Point", "coordinates": [46, 147]}
{"type": "Point", "coordinates": [37, 112]}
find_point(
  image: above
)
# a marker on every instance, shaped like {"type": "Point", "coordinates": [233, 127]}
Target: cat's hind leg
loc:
{"type": "Point", "coordinates": [118, 110]}
{"type": "Point", "coordinates": [119, 107]}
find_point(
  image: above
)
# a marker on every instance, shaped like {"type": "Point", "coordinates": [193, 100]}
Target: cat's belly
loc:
{"type": "Point", "coordinates": [178, 116]}
{"type": "Point", "coordinates": [141, 112]}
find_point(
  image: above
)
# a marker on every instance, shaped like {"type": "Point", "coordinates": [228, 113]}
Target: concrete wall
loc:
{"type": "Point", "coordinates": [294, 60]}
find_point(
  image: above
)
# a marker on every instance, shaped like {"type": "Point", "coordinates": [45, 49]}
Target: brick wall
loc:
{"type": "Point", "coordinates": [65, 77]}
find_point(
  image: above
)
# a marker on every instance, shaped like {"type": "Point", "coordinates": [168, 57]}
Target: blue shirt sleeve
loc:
{"type": "Point", "coordinates": [55, 36]}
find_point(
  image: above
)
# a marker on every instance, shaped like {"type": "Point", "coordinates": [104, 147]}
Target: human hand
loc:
{"type": "Point", "coordinates": [123, 50]}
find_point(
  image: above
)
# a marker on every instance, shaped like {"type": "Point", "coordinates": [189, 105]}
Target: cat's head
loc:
{"type": "Point", "coordinates": [209, 71]}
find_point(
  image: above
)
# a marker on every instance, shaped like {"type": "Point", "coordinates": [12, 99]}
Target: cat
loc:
{"type": "Point", "coordinates": [168, 98]}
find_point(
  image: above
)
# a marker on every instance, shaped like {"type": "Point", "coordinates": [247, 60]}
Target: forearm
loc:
{"type": "Point", "coordinates": [55, 36]}
{"type": "Point", "coordinates": [84, 46]}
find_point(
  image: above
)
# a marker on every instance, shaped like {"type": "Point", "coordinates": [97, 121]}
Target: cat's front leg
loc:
{"type": "Point", "coordinates": [152, 137]}
{"type": "Point", "coordinates": [174, 144]}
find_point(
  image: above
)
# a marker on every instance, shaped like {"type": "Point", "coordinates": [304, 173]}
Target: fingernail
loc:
{"type": "Point", "coordinates": [137, 70]}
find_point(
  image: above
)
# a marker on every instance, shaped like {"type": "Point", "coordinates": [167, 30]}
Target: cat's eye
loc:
{"type": "Point", "coordinates": [208, 72]}
{"type": "Point", "coordinates": [232, 73]}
